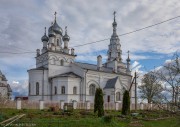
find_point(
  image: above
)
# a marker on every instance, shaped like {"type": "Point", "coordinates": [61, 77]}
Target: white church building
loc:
{"type": "Point", "coordinates": [59, 77]}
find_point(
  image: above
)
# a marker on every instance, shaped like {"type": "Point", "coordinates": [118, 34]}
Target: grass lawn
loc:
{"type": "Point", "coordinates": [82, 118]}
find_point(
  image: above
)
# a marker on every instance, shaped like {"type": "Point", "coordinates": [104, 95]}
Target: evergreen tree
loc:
{"type": "Point", "coordinates": [98, 102]}
{"type": "Point", "coordinates": [126, 103]}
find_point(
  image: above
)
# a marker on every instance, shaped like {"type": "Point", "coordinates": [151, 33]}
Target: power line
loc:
{"type": "Point", "coordinates": [108, 38]}
{"type": "Point", "coordinates": [17, 52]}
{"type": "Point", "coordinates": [130, 31]}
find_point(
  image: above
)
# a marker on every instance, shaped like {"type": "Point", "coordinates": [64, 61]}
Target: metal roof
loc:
{"type": "Point", "coordinates": [111, 83]}
{"type": "Point", "coordinates": [93, 67]}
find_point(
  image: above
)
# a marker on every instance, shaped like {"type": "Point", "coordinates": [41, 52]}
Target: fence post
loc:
{"type": "Point", "coordinates": [141, 106]}
{"type": "Point", "coordinates": [151, 105]}
{"type": "Point", "coordinates": [87, 105]}
{"type": "Point", "coordinates": [62, 104]}
{"type": "Point", "coordinates": [116, 106]}
{"type": "Point", "coordinates": [74, 104]}
{"type": "Point", "coordinates": [41, 104]}
{"type": "Point", "coordinates": [18, 103]}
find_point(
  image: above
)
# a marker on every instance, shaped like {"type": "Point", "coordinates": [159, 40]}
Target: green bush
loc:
{"type": "Point", "coordinates": [108, 118]}
{"type": "Point", "coordinates": [56, 113]}
{"type": "Point", "coordinates": [98, 102]}
{"type": "Point", "coordinates": [126, 103]}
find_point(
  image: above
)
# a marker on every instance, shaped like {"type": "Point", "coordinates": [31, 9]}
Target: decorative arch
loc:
{"type": "Point", "coordinates": [52, 59]}
{"type": "Point", "coordinates": [70, 60]}
{"type": "Point", "coordinates": [93, 82]}
{"type": "Point", "coordinates": [92, 85]}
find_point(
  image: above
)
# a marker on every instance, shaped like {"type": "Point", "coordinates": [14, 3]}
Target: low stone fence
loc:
{"type": "Point", "coordinates": [20, 104]}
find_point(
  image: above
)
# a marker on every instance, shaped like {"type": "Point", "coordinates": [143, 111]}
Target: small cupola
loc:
{"type": "Point", "coordinates": [66, 36]}
{"type": "Point", "coordinates": [45, 37]}
{"type": "Point", "coordinates": [51, 33]}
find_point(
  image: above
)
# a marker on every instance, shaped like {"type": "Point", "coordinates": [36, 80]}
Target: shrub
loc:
{"type": "Point", "coordinates": [108, 118]}
{"type": "Point", "coordinates": [126, 103]}
{"type": "Point", "coordinates": [53, 109]}
{"type": "Point", "coordinates": [30, 115]}
{"type": "Point", "coordinates": [56, 113]}
{"type": "Point", "coordinates": [98, 102]}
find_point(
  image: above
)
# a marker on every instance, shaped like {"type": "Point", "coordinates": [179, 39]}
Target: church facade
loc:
{"type": "Point", "coordinates": [58, 77]}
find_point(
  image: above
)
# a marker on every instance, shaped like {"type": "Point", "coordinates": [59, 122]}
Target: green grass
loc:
{"type": "Point", "coordinates": [172, 122]}
{"type": "Point", "coordinates": [82, 118]}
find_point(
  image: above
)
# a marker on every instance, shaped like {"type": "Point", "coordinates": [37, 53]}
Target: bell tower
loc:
{"type": "Point", "coordinates": [114, 51]}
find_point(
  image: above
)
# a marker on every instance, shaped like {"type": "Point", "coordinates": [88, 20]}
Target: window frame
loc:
{"type": "Point", "coordinates": [118, 96]}
{"type": "Point", "coordinates": [63, 90]}
{"type": "Point", "coordinates": [74, 90]}
{"type": "Point", "coordinates": [37, 88]}
{"type": "Point", "coordinates": [92, 89]}
{"type": "Point", "coordinates": [55, 90]}
{"type": "Point", "coordinates": [62, 62]}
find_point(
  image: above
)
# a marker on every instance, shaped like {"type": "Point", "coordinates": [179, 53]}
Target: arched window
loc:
{"type": "Point", "coordinates": [109, 54]}
{"type": "Point", "coordinates": [37, 88]}
{"type": "Point", "coordinates": [62, 62]}
{"type": "Point", "coordinates": [57, 42]}
{"type": "Point", "coordinates": [119, 54]}
{"type": "Point", "coordinates": [63, 90]}
{"type": "Point", "coordinates": [53, 61]}
{"type": "Point", "coordinates": [74, 90]}
{"type": "Point", "coordinates": [92, 89]}
{"type": "Point", "coordinates": [118, 96]}
{"type": "Point", "coordinates": [55, 90]}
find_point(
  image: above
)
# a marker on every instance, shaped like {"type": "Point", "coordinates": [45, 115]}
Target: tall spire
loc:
{"type": "Point", "coordinates": [114, 16]}
{"type": "Point", "coordinates": [128, 64]}
{"type": "Point", "coordinates": [44, 30]}
{"type": "Point", "coordinates": [114, 24]}
{"type": "Point", "coordinates": [65, 29]}
{"type": "Point", "coordinates": [114, 51]}
{"type": "Point", "coordinates": [55, 13]}
{"type": "Point", "coordinates": [128, 59]}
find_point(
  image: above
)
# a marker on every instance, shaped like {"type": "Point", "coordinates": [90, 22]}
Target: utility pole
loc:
{"type": "Point", "coordinates": [135, 77]}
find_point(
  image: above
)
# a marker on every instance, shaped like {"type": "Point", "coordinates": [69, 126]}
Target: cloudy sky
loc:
{"type": "Point", "coordinates": [23, 21]}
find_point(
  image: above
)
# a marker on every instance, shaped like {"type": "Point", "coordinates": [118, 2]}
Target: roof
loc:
{"type": "Point", "coordinates": [68, 74]}
{"type": "Point", "coordinates": [93, 67]}
{"type": "Point", "coordinates": [111, 83]}
{"type": "Point", "coordinates": [39, 68]}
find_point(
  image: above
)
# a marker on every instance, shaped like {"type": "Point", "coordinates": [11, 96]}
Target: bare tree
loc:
{"type": "Point", "coordinates": [170, 75]}
{"type": "Point", "coordinates": [151, 87]}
